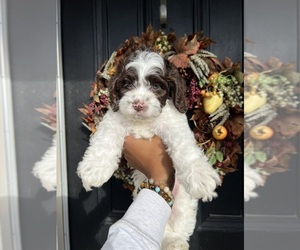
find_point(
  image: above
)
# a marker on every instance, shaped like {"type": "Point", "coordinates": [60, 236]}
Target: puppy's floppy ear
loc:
{"type": "Point", "coordinates": [177, 87]}
{"type": "Point", "coordinates": [114, 85]}
{"type": "Point", "coordinates": [113, 92]}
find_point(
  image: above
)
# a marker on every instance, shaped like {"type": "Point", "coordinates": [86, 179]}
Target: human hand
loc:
{"type": "Point", "coordinates": [150, 158]}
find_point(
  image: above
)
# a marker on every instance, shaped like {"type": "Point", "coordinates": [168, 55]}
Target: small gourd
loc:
{"type": "Point", "coordinates": [212, 103]}
{"type": "Point", "coordinates": [261, 132]}
{"type": "Point", "coordinates": [253, 102]}
{"type": "Point", "coordinates": [219, 132]}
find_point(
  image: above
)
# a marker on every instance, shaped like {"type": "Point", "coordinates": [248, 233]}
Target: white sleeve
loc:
{"type": "Point", "coordinates": [142, 227]}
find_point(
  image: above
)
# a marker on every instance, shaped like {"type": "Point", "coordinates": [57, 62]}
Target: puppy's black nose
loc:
{"type": "Point", "coordinates": [138, 106]}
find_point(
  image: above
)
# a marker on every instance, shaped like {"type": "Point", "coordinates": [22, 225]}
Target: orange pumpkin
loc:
{"type": "Point", "coordinates": [261, 132]}
{"type": "Point", "coordinates": [219, 132]}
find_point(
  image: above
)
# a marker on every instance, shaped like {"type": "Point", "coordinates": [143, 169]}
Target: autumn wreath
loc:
{"type": "Point", "coordinates": [271, 114]}
{"type": "Point", "coordinates": [214, 94]}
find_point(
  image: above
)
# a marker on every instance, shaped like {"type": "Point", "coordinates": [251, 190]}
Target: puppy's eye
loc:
{"type": "Point", "coordinates": [127, 84]}
{"type": "Point", "coordinates": [155, 86]}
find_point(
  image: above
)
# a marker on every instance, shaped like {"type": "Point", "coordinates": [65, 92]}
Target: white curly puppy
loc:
{"type": "Point", "coordinates": [148, 97]}
{"type": "Point", "coordinates": [45, 169]}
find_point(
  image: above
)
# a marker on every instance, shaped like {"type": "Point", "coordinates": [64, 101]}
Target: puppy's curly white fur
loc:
{"type": "Point", "coordinates": [148, 97]}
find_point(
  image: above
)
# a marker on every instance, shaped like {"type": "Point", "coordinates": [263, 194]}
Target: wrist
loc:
{"type": "Point", "coordinates": [165, 179]}
{"type": "Point", "coordinates": [160, 188]}
{"type": "Point", "coordinates": [168, 181]}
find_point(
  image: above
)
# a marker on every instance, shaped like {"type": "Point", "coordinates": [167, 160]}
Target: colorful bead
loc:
{"type": "Point", "coordinates": [161, 189]}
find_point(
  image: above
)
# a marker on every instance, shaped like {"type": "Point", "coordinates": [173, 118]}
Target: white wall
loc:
{"type": "Point", "coordinates": [31, 38]}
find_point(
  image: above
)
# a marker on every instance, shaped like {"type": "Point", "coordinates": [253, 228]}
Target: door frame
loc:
{"type": "Point", "coordinates": [10, 229]}
{"type": "Point", "coordinates": [62, 220]}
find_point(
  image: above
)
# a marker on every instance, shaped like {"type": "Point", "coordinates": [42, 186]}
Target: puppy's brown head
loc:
{"type": "Point", "coordinates": [142, 84]}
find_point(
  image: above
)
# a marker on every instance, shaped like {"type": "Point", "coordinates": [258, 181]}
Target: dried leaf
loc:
{"type": "Point", "coordinates": [148, 36]}
{"type": "Point", "coordinates": [205, 42]}
{"type": "Point", "coordinates": [84, 111]}
{"type": "Point", "coordinates": [228, 63]}
{"type": "Point", "coordinates": [180, 60]}
{"type": "Point", "coordinates": [182, 45]}
{"type": "Point", "coordinates": [274, 63]}
{"type": "Point", "coordinates": [46, 119]}
{"type": "Point", "coordinates": [92, 93]}
{"type": "Point", "coordinates": [291, 75]}
{"type": "Point", "coordinates": [179, 45]}
{"type": "Point", "coordinates": [43, 111]}
{"type": "Point", "coordinates": [253, 64]}
{"type": "Point", "coordinates": [87, 107]}
{"type": "Point", "coordinates": [192, 46]}
{"type": "Point", "coordinates": [214, 64]}
{"type": "Point", "coordinates": [239, 76]}
{"type": "Point", "coordinates": [227, 169]}
{"type": "Point", "coordinates": [96, 98]}
{"type": "Point", "coordinates": [171, 37]}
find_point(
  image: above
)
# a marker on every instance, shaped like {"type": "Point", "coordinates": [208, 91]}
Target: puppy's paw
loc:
{"type": "Point", "coordinates": [174, 243]}
{"type": "Point", "coordinates": [209, 197]}
{"type": "Point", "coordinates": [202, 183]}
{"type": "Point", "coordinates": [94, 176]}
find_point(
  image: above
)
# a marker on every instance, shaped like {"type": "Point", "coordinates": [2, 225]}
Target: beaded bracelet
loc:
{"type": "Point", "coordinates": [161, 189]}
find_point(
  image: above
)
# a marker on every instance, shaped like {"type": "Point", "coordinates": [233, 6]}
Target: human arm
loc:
{"type": "Point", "coordinates": [142, 226]}
{"type": "Point", "coordinates": [151, 158]}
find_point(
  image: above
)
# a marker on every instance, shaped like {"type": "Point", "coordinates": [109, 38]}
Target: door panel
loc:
{"type": "Point", "coordinates": [91, 31]}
